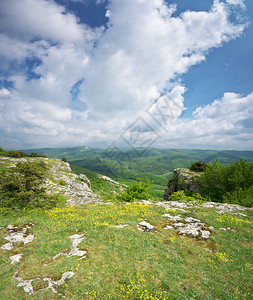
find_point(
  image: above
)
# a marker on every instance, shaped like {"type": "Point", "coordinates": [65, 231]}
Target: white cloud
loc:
{"type": "Point", "coordinates": [146, 47]}
{"type": "Point", "coordinates": [4, 92]}
{"type": "Point", "coordinates": [40, 18]}
{"type": "Point", "coordinates": [123, 68]}
{"type": "Point", "coordinates": [237, 3]}
{"type": "Point", "coordinates": [223, 124]}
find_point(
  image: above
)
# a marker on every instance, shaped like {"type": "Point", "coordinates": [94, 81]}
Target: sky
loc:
{"type": "Point", "coordinates": [126, 73]}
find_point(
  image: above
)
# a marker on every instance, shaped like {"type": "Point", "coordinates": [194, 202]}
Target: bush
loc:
{"type": "Point", "coordinates": [64, 159]}
{"type": "Point", "coordinates": [138, 190]}
{"type": "Point", "coordinates": [18, 154]}
{"type": "Point", "coordinates": [240, 196]}
{"type": "Point", "coordinates": [63, 182]}
{"type": "Point", "coordinates": [221, 182]}
{"type": "Point", "coordinates": [22, 186]}
{"type": "Point", "coordinates": [198, 166]}
{"type": "Point", "coordinates": [181, 196]}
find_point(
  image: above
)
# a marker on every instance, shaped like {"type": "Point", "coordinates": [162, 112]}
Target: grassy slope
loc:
{"type": "Point", "coordinates": [127, 263]}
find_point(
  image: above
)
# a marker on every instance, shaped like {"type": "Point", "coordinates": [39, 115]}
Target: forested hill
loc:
{"type": "Point", "coordinates": [152, 160]}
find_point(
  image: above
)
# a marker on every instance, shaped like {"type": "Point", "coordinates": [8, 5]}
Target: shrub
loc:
{"type": "Point", "coordinates": [240, 196]}
{"type": "Point", "coordinates": [64, 159]}
{"type": "Point", "coordinates": [221, 182]}
{"type": "Point", "coordinates": [37, 155]}
{"type": "Point", "coordinates": [198, 166]}
{"type": "Point", "coordinates": [181, 196]}
{"type": "Point", "coordinates": [63, 182]}
{"type": "Point", "coordinates": [22, 186]}
{"type": "Point", "coordinates": [138, 190]}
{"type": "Point", "coordinates": [16, 154]}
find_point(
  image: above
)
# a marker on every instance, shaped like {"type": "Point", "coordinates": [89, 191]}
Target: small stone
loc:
{"type": "Point", "coordinates": [172, 218]}
{"type": "Point", "coordinates": [191, 220]}
{"type": "Point", "coordinates": [168, 227]}
{"type": "Point", "coordinates": [121, 226]}
{"type": "Point", "coordinates": [15, 258]}
{"type": "Point", "coordinates": [7, 246]}
{"type": "Point", "coordinates": [205, 234]}
{"type": "Point", "coordinates": [145, 226]}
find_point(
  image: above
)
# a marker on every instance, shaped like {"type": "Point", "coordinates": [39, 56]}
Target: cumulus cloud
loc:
{"type": "Point", "coordinates": [119, 70]}
{"type": "Point", "coordinates": [40, 18]}
{"type": "Point", "coordinates": [145, 48]}
{"type": "Point", "coordinates": [225, 123]}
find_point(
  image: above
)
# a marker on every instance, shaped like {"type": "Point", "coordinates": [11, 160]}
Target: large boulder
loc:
{"type": "Point", "coordinates": [183, 179]}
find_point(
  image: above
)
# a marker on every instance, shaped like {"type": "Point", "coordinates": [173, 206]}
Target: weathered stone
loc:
{"type": "Point", "coordinates": [76, 239]}
{"type": "Point", "coordinates": [85, 179]}
{"type": "Point", "coordinates": [145, 226]}
{"type": "Point", "coordinates": [188, 226]}
{"type": "Point", "coordinates": [173, 218]}
{"type": "Point", "coordinates": [52, 284]}
{"type": "Point", "coordinates": [15, 258]}
{"type": "Point", "coordinates": [17, 234]}
{"type": "Point", "coordinates": [183, 179]}
{"type": "Point", "coordinates": [121, 226]}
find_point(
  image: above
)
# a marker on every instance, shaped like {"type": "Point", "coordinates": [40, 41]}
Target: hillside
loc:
{"type": "Point", "coordinates": [87, 248]}
{"type": "Point", "coordinates": [132, 162]}
{"type": "Point", "coordinates": [125, 165]}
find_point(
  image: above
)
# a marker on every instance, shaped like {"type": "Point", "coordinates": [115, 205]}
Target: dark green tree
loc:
{"type": "Point", "coordinates": [22, 186]}
{"type": "Point", "coordinates": [221, 182]}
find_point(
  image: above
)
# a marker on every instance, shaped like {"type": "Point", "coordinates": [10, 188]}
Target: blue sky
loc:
{"type": "Point", "coordinates": [174, 74]}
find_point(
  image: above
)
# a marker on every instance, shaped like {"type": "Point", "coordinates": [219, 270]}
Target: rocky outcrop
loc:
{"type": "Point", "coordinates": [183, 179]}
{"type": "Point", "coordinates": [60, 180]}
{"type": "Point", "coordinates": [76, 188]}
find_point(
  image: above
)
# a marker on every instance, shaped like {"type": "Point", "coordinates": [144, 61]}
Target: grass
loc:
{"type": "Point", "coordinates": [127, 263]}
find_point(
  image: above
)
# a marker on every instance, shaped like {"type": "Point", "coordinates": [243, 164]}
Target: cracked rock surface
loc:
{"type": "Point", "coordinates": [145, 226]}
{"type": "Point", "coordinates": [188, 226]}
{"type": "Point", "coordinates": [52, 284]}
{"type": "Point", "coordinates": [76, 239]}
{"type": "Point", "coordinates": [15, 258]}
{"type": "Point", "coordinates": [16, 234]}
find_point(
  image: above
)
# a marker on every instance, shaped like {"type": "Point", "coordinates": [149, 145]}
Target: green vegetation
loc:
{"type": "Point", "coordinates": [18, 154]}
{"type": "Point", "coordinates": [233, 183]}
{"type": "Point", "coordinates": [127, 263]}
{"type": "Point", "coordinates": [62, 182]}
{"type": "Point", "coordinates": [198, 166]}
{"type": "Point", "coordinates": [22, 186]}
{"type": "Point", "coordinates": [124, 262]}
{"type": "Point", "coordinates": [138, 190]}
{"type": "Point", "coordinates": [182, 196]}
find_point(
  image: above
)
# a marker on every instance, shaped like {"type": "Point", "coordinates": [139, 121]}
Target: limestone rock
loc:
{"type": "Point", "coordinates": [188, 226]}
{"type": "Point", "coordinates": [145, 226]}
{"type": "Point", "coordinates": [76, 239]}
{"type": "Point", "coordinates": [15, 258]}
{"type": "Point", "coordinates": [183, 179]}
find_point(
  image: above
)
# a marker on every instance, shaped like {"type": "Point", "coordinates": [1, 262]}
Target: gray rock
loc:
{"type": "Point", "coordinates": [52, 284]}
{"type": "Point", "coordinates": [188, 226]}
{"type": "Point", "coordinates": [17, 234]}
{"type": "Point", "coordinates": [183, 179]}
{"type": "Point", "coordinates": [76, 239]}
{"type": "Point", "coordinates": [173, 218]}
{"type": "Point", "coordinates": [145, 226]}
{"type": "Point", "coordinates": [15, 258]}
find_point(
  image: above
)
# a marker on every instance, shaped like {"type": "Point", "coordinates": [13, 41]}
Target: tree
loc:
{"type": "Point", "coordinates": [22, 185]}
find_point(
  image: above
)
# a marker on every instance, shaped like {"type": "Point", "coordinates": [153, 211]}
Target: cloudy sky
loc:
{"type": "Point", "coordinates": [161, 73]}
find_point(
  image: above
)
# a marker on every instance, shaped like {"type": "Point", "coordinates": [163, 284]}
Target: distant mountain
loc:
{"type": "Point", "coordinates": [128, 164]}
